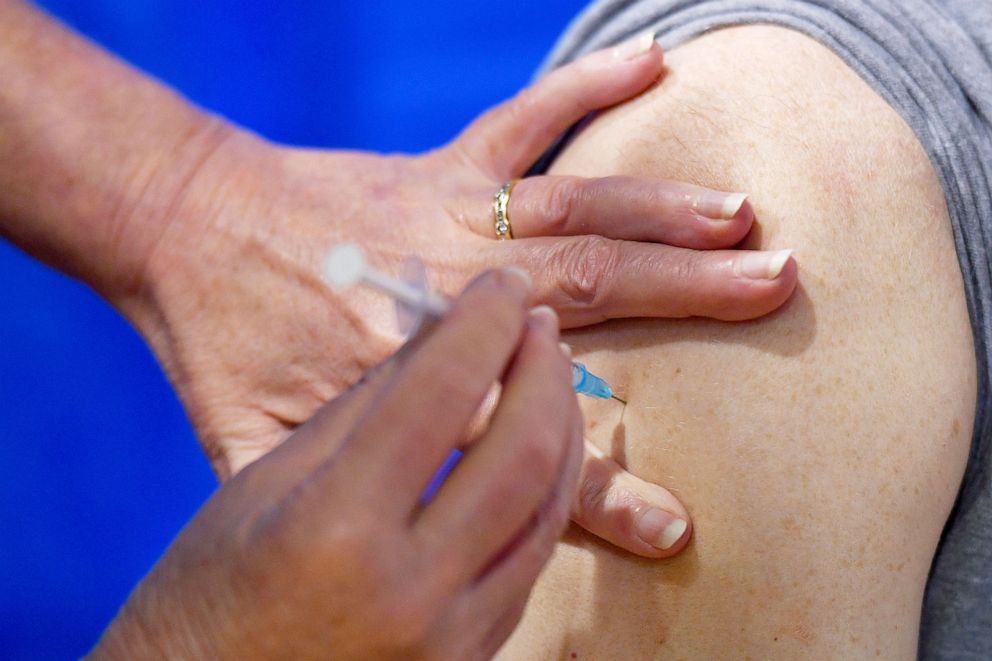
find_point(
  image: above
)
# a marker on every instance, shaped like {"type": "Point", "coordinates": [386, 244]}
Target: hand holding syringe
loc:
{"type": "Point", "coordinates": [346, 267]}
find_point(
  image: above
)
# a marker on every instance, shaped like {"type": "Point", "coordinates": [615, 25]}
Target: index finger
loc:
{"type": "Point", "coordinates": [426, 411]}
{"type": "Point", "coordinates": [512, 468]}
{"type": "Point", "coordinates": [588, 279]}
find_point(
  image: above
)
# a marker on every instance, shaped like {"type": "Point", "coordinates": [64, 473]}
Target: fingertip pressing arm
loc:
{"type": "Point", "coordinates": [637, 516]}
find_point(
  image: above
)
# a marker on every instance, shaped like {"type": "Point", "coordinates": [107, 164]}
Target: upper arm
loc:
{"type": "Point", "coordinates": [819, 449]}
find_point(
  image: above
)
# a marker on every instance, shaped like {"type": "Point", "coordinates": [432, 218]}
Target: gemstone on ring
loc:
{"type": "Point", "coordinates": [501, 218]}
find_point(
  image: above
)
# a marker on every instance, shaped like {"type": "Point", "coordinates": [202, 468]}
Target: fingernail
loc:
{"type": "Point", "coordinates": [566, 349]}
{"type": "Point", "coordinates": [545, 317]}
{"type": "Point", "coordinates": [634, 48]}
{"type": "Point", "coordinates": [523, 275]}
{"type": "Point", "coordinates": [762, 264]}
{"type": "Point", "coordinates": [720, 206]}
{"type": "Point", "coordinates": [660, 529]}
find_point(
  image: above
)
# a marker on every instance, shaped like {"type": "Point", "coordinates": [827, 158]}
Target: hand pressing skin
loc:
{"type": "Point", "coordinates": [210, 239]}
{"type": "Point", "coordinates": [250, 232]}
{"type": "Point", "coordinates": [320, 549]}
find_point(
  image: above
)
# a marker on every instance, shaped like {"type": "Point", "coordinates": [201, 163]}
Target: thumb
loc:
{"type": "Point", "coordinates": [508, 139]}
{"type": "Point", "coordinates": [635, 515]}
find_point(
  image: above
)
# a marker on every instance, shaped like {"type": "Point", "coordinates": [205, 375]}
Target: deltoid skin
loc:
{"type": "Point", "coordinates": [820, 449]}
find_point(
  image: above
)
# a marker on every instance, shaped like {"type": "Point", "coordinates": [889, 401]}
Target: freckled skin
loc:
{"type": "Point", "coordinates": [819, 449]}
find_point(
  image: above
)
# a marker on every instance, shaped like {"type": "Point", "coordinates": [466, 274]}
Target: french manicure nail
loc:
{"type": "Point", "coordinates": [720, 206]}
{"type": "Point", "coordinates": [634, 48]}
{"type": "Point", "coordinates": [523, 275]}
{"type": "Point", "coordinates": [762, 264]}
{"type": "Point", "coordinates": [673, 533]}
{"type": "Point", "coordinates": [660, 529]}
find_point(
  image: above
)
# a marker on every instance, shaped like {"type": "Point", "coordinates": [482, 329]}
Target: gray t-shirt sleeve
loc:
{"type": "Point", "coordinates": [932, 61]}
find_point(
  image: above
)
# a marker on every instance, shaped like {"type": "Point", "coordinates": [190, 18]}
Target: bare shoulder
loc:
{"type": "Point", "coordinates": [820, 448]}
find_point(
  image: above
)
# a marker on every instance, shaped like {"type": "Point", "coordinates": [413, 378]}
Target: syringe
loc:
{"type": "Point", "coordinates": [346, 267]}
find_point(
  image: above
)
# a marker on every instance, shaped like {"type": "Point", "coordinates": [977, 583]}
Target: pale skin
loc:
{"type": "Point", "coordinates": [210, 241]}
{"type": "Point", "coordinates": [820, 448]}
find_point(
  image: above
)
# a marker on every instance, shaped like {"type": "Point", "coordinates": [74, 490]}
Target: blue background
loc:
{"type": "Point", "coordinates": [99, 467]}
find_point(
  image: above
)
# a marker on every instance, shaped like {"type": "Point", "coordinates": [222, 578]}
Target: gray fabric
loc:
{"type": "Point", "coordinates": [932, 61]}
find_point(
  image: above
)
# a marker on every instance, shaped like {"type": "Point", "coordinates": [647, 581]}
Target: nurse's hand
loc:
{"type": "Point", "coordinates": [231, 298]}
{"type": "Point", "coordinates": [322, 549]}
{"type": "Point", "coordinates": [211, 240]}
{"type": "Point", "coordinates": [232, 301]}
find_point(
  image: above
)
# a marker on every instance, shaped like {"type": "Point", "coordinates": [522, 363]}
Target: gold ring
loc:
{"type": "Point", "coordinates": [501, 218]}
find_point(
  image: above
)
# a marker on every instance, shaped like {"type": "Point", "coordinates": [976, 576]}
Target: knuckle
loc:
{"type": "Point", "coordinates": [586, 269]}
{"type": "Point", "coordinates": [688, 269]}
{"type": "Point", "coordinates": [525, 100]}
{"type": "Point", "coordinates": [519, 110]}
{"type": "Point", "coordinates": [522, 101]}
{"type": "Point", "coordinates": [594, 492]}
{"type": "Point", "coordinates": [560, 196]}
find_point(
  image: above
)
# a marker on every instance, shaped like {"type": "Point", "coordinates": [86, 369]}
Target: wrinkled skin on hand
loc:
{"type": "Point", "coordinates": [322, 549]}
{"type": "Point", "coordinates": [232, 301]}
